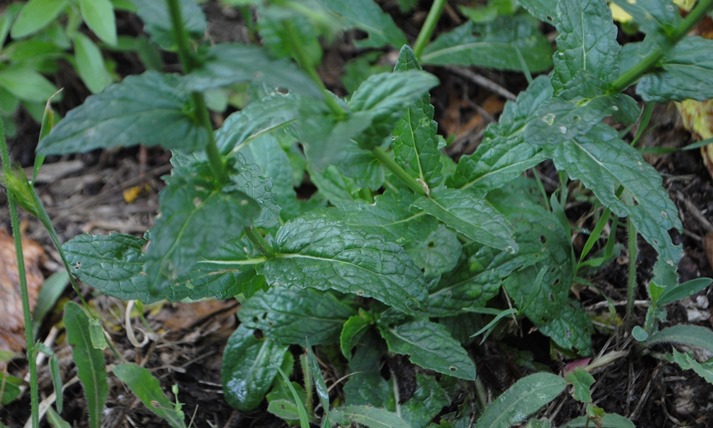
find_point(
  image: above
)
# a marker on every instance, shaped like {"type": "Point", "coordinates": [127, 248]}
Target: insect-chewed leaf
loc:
{"type": "Point", "coordinates": [544, 10]}
{"type": "Point", "coordinates": [470, 215]}
{"type": "Point", "coordinates": [147, 109]}
{"type": "Point", "coordinates": [196, 219]}
{"type": "Point", "coordinates": [113, 264]}
{"type": "Point", "coordinates": [430, 346]}
{"type": "Point", "coordinates": [504, 154]}
{"type": "Point", "coordinates": [295, 316]}
{"type": "Point", "coordinates": [324, 254]}
{"type": "Point", "coordinates": [507, 43]}
{"type": "Point", "coordinates": [604, 163]}
{"type": "Point", "coordinates": [226, 64]}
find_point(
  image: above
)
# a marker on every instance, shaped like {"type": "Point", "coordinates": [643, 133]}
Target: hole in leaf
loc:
{"type": "Point", "coordinates": [453, 368]}
{"type": "Point", "coordinates": [543, 239]}
{"type": "Point", "coordinates": [257, 334]}
{"type": "Point", "coordinates": [431, 244]}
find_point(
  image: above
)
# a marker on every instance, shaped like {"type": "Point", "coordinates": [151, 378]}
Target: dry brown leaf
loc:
{"type": "Point", "coordinates": [12, 329]}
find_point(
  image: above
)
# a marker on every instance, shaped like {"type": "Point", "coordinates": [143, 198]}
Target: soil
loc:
{"type": "Point", "coordinates": [184, 343]}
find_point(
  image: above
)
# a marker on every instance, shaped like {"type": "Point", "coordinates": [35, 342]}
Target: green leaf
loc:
{"type": "Point", "coordinates": [325, 255]}
{"type": "Point", "coordinates": [371, 417]}
{"type": "Point", "coordinates": [544, 10]}
{"type": "Point", "coordinates": [320, 385]}
{"type": "Point", "coordinates": [604, 163]}
{"type": "Point", "coordinates": [56, 381]}
{"type": "Point", "coordinates": [352, 331]}
{"type": "Point", "coordinates": [687, 289]}
{"type": "Point", "coordinates": [26, 84]}
{"type": "Point", "coordinates": [6, 20]}
{"type": "Point", "coordinates": [382, 98]}
{"type": "Point", "coordinates": [689, 335]}
{"type": "Point", "coordinates": [11, 388]}
{"type": "Point", "coordinates": [430, 346]}
{"type": "Point", "coordinates": [91, 368]}
{"type": "Point", "coordinates": [470, 215]}
{"type": "Point", "coordinates": [368, 17]}
{"type": "Point", "coordinates": [525, 397]}
{"type": "Point", "coordinates": [426, 402]}
{"type": "Point", "coordinates": [274, 164]}
{"type": "Point", "coordinates": [51, 290]}
{"type": "Point", "coordinates": [687, 362]}
{"type": "Point", "coordinates": [438, 253]}
{"type": "Point", "coordinates": [685, 72]}
{"type": "Point", "coordinates": [415, 140]}
{"type": "Point", "coordinates": [110, 263]}
{"type": "Point", "coordinates": [56, 420]}
{"type": "Point", "coordinates": [507, 43]}
{"type": "Point", "coordinates": [227, 64]}
{"type": "Point", "coordinates": [196, 220]}
{"type": "Point", "coordinates": [282, 404]}
{"type": "Point", "coordinates": [264, 116]}
{"type": "Point", "coordinates": [35, 15]}
{"type": "Point", "coordinates": [157, 21]}
{"type": "Point", "coordinates": [581, 381]}
{"type": "Point", "coordinates": [542, 271]}
{"type": "Point", "coordinates": [99, 17]}
{"type": "Point", "coordinates": [126, 114]}
{"type": "Point", "coordinates": [587, 49]}
{"type": "Point", "coordinates": [475, 280]}
{"type": "Point", "coordinates": [294, 316]}
{"type": "Point", "coordinates": [250, 366]}
{"type": "Point", "coordinates": [652, 16]}
{"type": "Point", "coordinates": [113, 264]}
{"type": "Point", "coordinates": [570, 327]}
{"type": "Point", "coordinates": [504, 154]}
{"type": "Point", "coordinates": [90, 64]}
{"type": "Point", "coordinates": [148, 389]}
{"type": "Point", "coordinates": [284, 30]}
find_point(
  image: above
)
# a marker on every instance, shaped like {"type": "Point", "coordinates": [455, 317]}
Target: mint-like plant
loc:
{"type": "Point", "coordinates": [400, 248]}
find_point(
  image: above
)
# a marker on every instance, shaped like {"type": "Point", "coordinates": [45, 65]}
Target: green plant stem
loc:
{"type": "Point", "coordinates": [182, 43]}
{"type": "Point", "coordinates": [215, 160]}
{"type": "Point", "coordinates": [428, 27]}
{"type": "Point", "coordinates": [631, 280]}
{"type": "Point", "coordinates": [259, 242]}
{"type": "Point", "coordinates": [630, 76]}
{"type": "Point", "coordinates": [301, 57]}
{"type": "Point", "coordinates": [400, 173]}
{"type": "Point", "coordinates": [188, 63]}
{"type": "Point", "coordinates": [26, 311]}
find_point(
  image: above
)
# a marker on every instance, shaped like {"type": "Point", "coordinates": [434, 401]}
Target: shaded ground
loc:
{"type": "Point", "coordinates": [84, 194]}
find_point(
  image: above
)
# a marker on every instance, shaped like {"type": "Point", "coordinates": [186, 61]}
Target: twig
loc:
{"type": "Point", "coordinates": [695, 212]}
{"type": "Point", "coordinates": [482, 81]}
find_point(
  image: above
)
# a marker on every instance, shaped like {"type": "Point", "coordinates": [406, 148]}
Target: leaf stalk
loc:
{"type": "Point", "coordinates": [188, 63]}
{"type": "Point", "coordinates": [429, 26]}
{"type": "Point", "coordinates": [396, 169]}
{"type": "Point", "coordinates": [259, 242]}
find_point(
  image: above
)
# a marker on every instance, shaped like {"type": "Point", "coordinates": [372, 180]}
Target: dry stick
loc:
{"type": "Point", "coordinates": [482, 81]}
{"type": "Point", "coordinates": [693, 210]}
